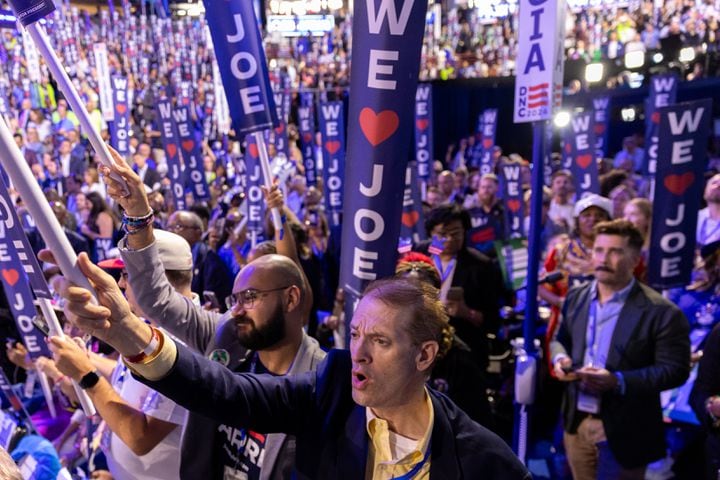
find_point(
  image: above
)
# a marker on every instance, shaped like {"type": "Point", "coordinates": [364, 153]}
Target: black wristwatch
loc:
{"type": "Point", "coordinates": [89, 380]}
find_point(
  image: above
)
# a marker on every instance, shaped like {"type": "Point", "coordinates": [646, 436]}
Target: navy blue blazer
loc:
{"type": "Point", "coordinates": [651, 348]}
{"type": "Point", "coordinates": [317, 408]}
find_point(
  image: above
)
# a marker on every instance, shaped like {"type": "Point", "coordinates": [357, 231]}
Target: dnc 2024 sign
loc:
{"type": "Point", "coordinates": [540, 59]}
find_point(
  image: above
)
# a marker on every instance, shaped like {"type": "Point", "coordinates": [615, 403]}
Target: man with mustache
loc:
{"type": "Point", "coordinates": [620, 344]}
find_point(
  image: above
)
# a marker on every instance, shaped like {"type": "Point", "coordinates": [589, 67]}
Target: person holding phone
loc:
{"type": "Point", "coordinates": [619, 345]}
{"type": "Point", "coordinates": [471, 285]}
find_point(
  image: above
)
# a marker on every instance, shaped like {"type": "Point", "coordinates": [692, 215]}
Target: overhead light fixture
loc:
{"type": "Point", "coordinates": [562, 119]}
{"type": "Point", "coordinates": [594, 72]}
{"type": "Point", "coordinates": [657, 57]}
{"type": "Point", "coordinates": [687, 54]}
{"type": "Point", "coordinates": [195, 10]}
{"type": "Point", "coordinates": [634, 59]}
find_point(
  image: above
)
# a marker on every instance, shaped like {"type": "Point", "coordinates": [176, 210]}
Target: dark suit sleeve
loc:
{"type": "Point", "coordinates": [707, 383]}
{"type": "Point", "coordinates": [671, 365]}
{"type": "Point", "coordinates": [261, 402]}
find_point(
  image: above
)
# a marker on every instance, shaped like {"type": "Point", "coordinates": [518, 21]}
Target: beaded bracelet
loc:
{"type": "Point", "coordinates": [133, 221]}
{"type": "Point", "coordinates": [135, 227]}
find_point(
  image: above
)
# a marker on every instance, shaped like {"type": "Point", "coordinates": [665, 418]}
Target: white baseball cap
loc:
{"type": "Point", "coordinates": [594, 200]}
{"type": "Point", "coordinates": [173, 250]}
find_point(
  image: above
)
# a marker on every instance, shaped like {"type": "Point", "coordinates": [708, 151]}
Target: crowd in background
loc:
{"type": "Point", "coordinates": [172, 59]}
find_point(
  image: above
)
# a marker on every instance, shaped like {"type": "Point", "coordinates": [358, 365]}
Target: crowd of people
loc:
{"type": "Point", "coordinates": [189, 297]}
{"type": "Point", "coordinates": [475, 43]}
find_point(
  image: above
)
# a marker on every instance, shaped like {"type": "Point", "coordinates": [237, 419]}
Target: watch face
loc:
{"type": "Point", "coordinates": [89, 380]}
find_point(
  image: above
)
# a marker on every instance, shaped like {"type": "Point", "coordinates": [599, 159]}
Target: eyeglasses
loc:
{"type": "Point", "coordinates": [248, 297]}
{"type": "Point", "coordinates": [179, 226]}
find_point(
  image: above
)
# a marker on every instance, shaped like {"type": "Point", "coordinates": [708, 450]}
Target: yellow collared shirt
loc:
{"type": "Point", "coordinates": [381, 465]}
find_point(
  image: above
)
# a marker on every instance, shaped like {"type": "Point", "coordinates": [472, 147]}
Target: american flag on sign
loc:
{"type": "Point", "coordinates": [538, 95]}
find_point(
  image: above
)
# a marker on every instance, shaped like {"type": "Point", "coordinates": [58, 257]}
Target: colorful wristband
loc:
{"type": "Point", "coordinates": [150, 350]}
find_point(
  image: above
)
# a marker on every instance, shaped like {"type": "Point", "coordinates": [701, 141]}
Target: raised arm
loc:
{"type": "Point", "coordinates": [140, 432]}
{"type": "Point", "coordinates": [263, 402]}
{"type": "Point", "coordinates": [285, 241]}
{"type": "Point", "coordinates": [156, 297]}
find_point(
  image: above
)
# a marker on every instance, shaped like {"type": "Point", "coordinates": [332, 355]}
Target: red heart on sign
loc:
{"type": "Point", "coordinates": [514, 205]}
{"type": "Point", "coordinates": [655, 117]}
{"type": "Point", "coordinates": [378, 127]}
{"type": "Point", "coordinates": [253, 150]}
{"type": "Point", "coordinates": [487, 143]}
{"type": "Point", "coordinates": [599, 128]}
{"type": "Point", "coordinates": [188, 145]}
{"type": "Point", "coordinates": [409, 219]}
{"type": "Point", "coordinates": [11, 276]}
{"type": "Point", "coordinates": [121, 108]}
{"type": "Point", "coordinates": [171, 150]}
{"type": "Point", "coordinates": [677, 184]}
{"type": "Point", "coordinates": [332, 146]}
{"type": "Point", "coordinates": [307, 137]}
{"type": "Point", "coordinates": [422, 124]}
{"type": "Point", "coordinates": [584, 160]}
{"type": "Point", "coordinates": [280, 129]}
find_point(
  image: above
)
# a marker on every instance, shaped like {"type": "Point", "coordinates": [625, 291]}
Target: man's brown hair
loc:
{"type": "Point", "coordinates": [427, 318]}
{"type": "Point", "coordinates": [622, 228]}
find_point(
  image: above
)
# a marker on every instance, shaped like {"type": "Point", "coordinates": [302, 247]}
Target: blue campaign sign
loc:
{"type": "Point", "coordinates": [477, 152]}
{"type": "Point", "coordinates": [306, 128]}
{"type": "Point", "coordinates": [412, 229]}
{"type": "Point", "coordinates": [601, 109]}
{"type": "Point", "coordinates": [171, 142]}
{"type": "Point", "coordinates": [191, 154]}
{"type": "Point", "coordinates": [254, 195]}
{"type": "Point", "coordinates": [663, 92]}
{"type": "Point", "coordinates": [19, 295]}
{"type": "Point", "coordinates": [7, 20]}
{"type": "Point", "coordinates": [487, 140]}
{"type": "Point", "coordinates": [387, 38]}
{"type": "Point", "coordinates": [513, 199]}
{"type": "Point", "coordinates": [581, 140]}
{"type": "Point", "coordinates": [423, 130]}
{"type": "Point", "coordinates": [682, 157]}
{"type": "Point", "coordinates": [241, 60]}
{"type": "Point", "coordinates": [279, 133]}
{"type": "Point", "coordinates": [120, 131]}
{"type": "Point", "coordinates": [30, 11]}
{"type": "Point", "coordinates": [332, 130]}
{"type": "Point", "coordinates": [21, 245]}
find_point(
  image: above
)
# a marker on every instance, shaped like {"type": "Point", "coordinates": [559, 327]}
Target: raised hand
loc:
{"type": "Point", "coordinates": [136, 203]}
{"type": "Point", "coordinates": [110, 319]}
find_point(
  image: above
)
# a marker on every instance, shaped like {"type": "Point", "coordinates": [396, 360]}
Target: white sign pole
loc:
{"type": "Point", "coordinates": [50, 229]}
{"type": "Point", "coordinates": [68, 89]}
{"type": "Point", "coordinates": [538, 92]}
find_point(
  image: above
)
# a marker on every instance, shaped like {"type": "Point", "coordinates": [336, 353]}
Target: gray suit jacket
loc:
{"type": "Point", "coordinates": [208, 333]}
{"type": "Point", "coordinates": [651, 348]}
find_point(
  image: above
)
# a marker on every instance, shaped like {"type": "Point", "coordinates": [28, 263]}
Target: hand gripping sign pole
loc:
{"type": "Point", "coordinates": [29, 12]}
{"type": "Point", "coordinates": [241, 61]}
{"type": "Point", "coordinates": [55, 239]}
{"type": "Point", "coordinates": [538, 91]}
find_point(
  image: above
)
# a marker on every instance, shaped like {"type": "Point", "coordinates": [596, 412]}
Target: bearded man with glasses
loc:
{"type": "Point", "coordinates": [261, 332]}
